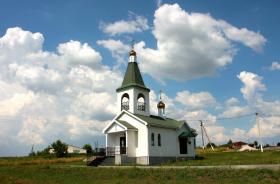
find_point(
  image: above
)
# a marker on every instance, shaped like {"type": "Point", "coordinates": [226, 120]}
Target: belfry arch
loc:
{"type": "Point", "coordinates": [125, 102]}
{"type": "Point", "coordinates": [141, 104]}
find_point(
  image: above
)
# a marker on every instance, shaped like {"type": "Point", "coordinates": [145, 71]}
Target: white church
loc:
{"type": "Point", "coordinates": [135, 135]}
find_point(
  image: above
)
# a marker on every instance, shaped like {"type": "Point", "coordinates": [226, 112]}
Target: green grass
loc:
{"type": "Point", "coordinates": [231, 158]}
{"type": "Point", "coordinates": [30, 170]}
{"type": "Point", "coordinates": [51, 174]}
{"type": "Point", "coordinates": [17, 161]}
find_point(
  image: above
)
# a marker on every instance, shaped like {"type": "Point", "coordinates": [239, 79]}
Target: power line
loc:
{"type": "Point", "coordinates": [223, 118]}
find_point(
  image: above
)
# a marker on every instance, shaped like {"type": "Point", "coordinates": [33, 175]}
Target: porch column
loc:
{"type": "Point", "coordinates": [126, 143]}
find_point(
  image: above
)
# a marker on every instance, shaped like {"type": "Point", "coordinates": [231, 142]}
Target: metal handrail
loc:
{"type": "Point", "coordinates": [117, 150]}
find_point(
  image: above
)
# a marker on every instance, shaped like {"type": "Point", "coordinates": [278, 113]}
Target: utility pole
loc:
{"type": "Point", "coordinates": [203, 129]}
{"type": "Point", "coordinates": [202, 134]}
{"type": "Point", "coordinates": [208, 138]}
{"type": "Point", "coordinates": [259, 130]}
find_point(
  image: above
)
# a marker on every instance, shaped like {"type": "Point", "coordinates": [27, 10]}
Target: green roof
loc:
{"type": "Point", "coordinates": [187, 134]}
{"type": "Point", "coordinates": [161, 122]}
{"type": "Point", "coordinates": [132, 77]}
{"type": "Point", "coordinates": [158, 121]}
{"type": "Point", "coordinates": [126, 124]}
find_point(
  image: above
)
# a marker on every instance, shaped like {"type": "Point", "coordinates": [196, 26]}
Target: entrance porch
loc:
{"type": "Point", "coordinates": [116, 143]}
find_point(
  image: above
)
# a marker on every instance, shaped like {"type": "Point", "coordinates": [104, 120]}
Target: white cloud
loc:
{"type": "Point", "coordinates": [198, 44]}
{"type": "Point", "coordinates": [232, 101]}
{"type": "Point", "coordinates": [137, 24]}
{"type": "Point", "coordinates": [269, 110]}
{"type": "Point", "coordinates": [118, 49]}
{"type": "Point", "coordinates": [76, 53]}
{"type": "Point", "coordinates": [235, 111]}
{"type": "Point", "coordinates": [252, 85]}
{"type": "Point", "coordinates": [45, 95]}
{"type": "Point", "coordinates": [199, 100]}
{"type": "Point", "coordinates": [249, 38]}
{"type": "Point", "coordinates": [275, 66]}
{"type": "Point", "coordinates": [22, 41]}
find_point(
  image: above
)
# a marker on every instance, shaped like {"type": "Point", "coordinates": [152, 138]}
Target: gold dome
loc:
{"type": "Point", "coordinates": [161, 105]}
{"type": "Point", "coordinates": [132, 53]}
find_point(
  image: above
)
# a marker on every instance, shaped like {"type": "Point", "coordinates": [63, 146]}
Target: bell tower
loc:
{"type": "Point", "coordinates": [133, 95]}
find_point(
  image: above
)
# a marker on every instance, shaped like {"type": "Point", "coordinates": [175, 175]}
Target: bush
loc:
{"type": "Point", "coordinates": [88, 148]}
{"type": "Point", "coordinates": [44, 152]}
{"type": "Point", "coordinates": [60, 148]}
{"type": "Point", "coordinates": [209, 146]}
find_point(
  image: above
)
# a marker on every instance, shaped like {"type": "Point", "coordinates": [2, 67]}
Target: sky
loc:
{"type": "Point", "coordinates": [61, 61]}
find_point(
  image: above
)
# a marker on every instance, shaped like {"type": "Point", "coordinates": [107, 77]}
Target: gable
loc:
{"type": "Point", "coordinates": [186, 131]}
{"type": "Point", "coordinates": [115, 127]}
{"type": "Point", "coordinates": [122, 121]}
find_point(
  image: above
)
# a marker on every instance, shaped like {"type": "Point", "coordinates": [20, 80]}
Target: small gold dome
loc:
{"type": "Point", "coordinates": [132, 53]}
{"type": "Point", "coordinates": [161, 105]}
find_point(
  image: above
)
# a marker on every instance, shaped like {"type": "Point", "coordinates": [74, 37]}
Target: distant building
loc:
{"type": "Point", "coordinates": [247, 148]}
{"type": "Point", "coordinates": [238, 145]}
{"type": "Point", "coordinates": [72, 149]}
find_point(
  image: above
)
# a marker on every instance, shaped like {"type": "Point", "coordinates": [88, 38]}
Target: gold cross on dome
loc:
{"type": "Point", "coordinates": [160, 92]}
{"type": "Point", "coordinates": [132, 43]}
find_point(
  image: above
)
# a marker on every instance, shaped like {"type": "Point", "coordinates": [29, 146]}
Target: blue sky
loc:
{"type": "Point", "coordinates": [61, 62]}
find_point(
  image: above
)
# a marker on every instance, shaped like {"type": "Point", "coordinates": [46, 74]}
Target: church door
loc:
{"type": "Point", "coordinates": [122, 145]}
{"type": "Point", "coordinates": [183, 145]}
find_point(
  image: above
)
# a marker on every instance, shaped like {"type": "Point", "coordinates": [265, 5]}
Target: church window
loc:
{"type": "Point", "coordinates": [159, 140]}
{"type": "Point", "coordinates": [125, 102]}
{"type": "Point", "coordinates": [141, 102]}
{"type": "Point", "coordinates": [153, 139]}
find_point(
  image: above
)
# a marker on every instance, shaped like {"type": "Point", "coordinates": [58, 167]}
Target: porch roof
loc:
{"type": "Point", "coordinates": [127, 125]}
{"type": "Point", "coordinates": [187, 134]}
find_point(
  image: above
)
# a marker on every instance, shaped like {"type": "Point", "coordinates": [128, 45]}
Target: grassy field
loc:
{"type": "Point", "coordinates": [208, 157]}
{"type": "Point", "coordinates": [21, 161]}
{"type": "Point", "coordinates": [29, 170]}
{"type": "Point", "coordinates": [49, 174]}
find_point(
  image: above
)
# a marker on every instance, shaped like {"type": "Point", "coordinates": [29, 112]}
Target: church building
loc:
{"type": "Point", "coordinates": [137, 136]}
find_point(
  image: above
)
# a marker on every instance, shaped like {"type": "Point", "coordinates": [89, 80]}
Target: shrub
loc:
{"type": "Point", "coordinates": [60, 148]}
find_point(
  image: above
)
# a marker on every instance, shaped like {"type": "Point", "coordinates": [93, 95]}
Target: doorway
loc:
{"type": "Point", "coordinates": [122, 145]}
{"type": "Point", "coordinates": [183, 142]}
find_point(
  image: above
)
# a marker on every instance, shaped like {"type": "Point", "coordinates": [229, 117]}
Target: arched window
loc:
{"type": "Point", "coordinates": [141, 102]}
{"type": "Point", "coordinates": [125, 102]}
{"type": "Point", "coordinates": [159, 140]}
{"type": "Point", "coordinates": [153, 139]}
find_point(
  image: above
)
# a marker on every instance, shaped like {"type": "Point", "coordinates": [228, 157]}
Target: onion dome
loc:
{"type": "Point", "coordinates": [161, 105]}
{"type": "Point", "coordinates": [132, 53]}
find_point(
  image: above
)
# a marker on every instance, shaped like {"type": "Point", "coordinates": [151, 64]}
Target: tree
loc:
{"type": "Point", "coordinates": [88, 148]}
{"type": "Point", "coordinates": [255, 144]}
{"type": "Point", "coordinates": [44, 152]}
{"type": "Point", "coordinates": [208, 145]}
{"type": "Point", "coordinates": [229, 143]}
{"type": "Point", "coordinates": [60, 148]}
{"type": "Point", "coordinates": [278, 144]}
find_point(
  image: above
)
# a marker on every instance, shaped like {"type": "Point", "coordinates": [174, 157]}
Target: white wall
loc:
{"type": "Point", "coordinates": [132, 144]}
{"type": "Point", "coordinates": [119, 96]}
{"type": "Point", "coordinates": [133, 94]}
{"type": "Point", "coordinates": [137, 91]}
{"type": "Point", "coordinates": [115, 128]}
{"type": "Point", "coordinates": [142, 149]}
{"type": "Point", "coordinates": [72, 149]}
{"type": "Point", "coordinates": [169, 143]}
